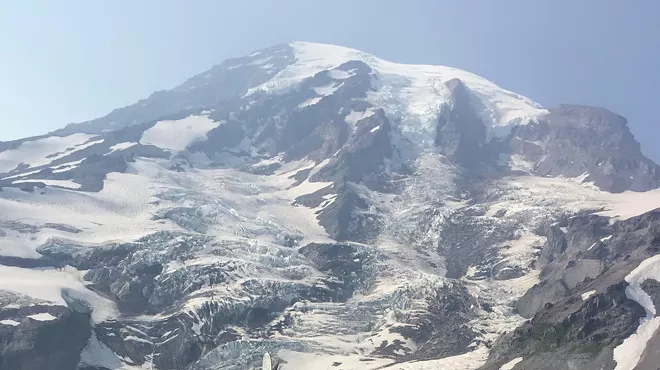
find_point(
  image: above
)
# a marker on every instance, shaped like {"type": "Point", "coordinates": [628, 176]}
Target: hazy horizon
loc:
{"type": "Point", "coordinates": [75, 61]}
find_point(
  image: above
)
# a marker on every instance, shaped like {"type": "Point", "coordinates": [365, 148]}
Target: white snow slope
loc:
{"type": "Point", "coordinates": [628, 354]}
{"type": "Point", "coordinates": [43, 151]}
{"type": "Point", "coordinates": [413, 93]}
{"type": "Point", "coordinates": [178, 134]}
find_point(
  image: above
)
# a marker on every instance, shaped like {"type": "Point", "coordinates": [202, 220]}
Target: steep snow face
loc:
{"type": "Point", "coordinates": [177, 134]}
{"type": "Point", "coordinates": [628, 354]}
{"type": "Point", "coordinates": [63, 285]}
{"type": "Point", "coordinates": [510, 365]}
{"type": "Point", "coordinates": [413, 94]}
{"type": "Point", "coordinates": [40, 152]}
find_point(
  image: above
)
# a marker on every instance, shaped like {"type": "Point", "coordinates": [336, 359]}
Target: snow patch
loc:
{"type": "Point", "coordinates": [310, 102]}
{"type": "Point", "coordinates": [511, 364]}
{"type": "Point", "coordinates": [44, 316]}
{"type": "Point", "coordinates": [353, 117]}
{"type": "Point", "coordinates": [518, 163]}
{"type": "Point", "coordinates": [136, 339]}
{"type": "Point", "coordinates": [260, 61]}
{"type": "Point", "coordinates": [66, 166]}
{"type": "Point", "coordinates": [98, 354]}
{"type": "Point", "coordinates": [68, 281]}
{"type": "Point", "coordinates": [9, 322]}
{"type": "Point", "coordinates": [588, 294]}
{"type": "Point", "coordinates": [580, 179]}
{"type": "Point", "coordinates": [61, 183]}
{"type": "Point", "coordinates": [121, 146]}
{"type": "Point", "coordinates": [328, 89]}
{"type": "Point", "coordinates": [618, 206]}
{"type": "Point", "coordinates": [178, 134]}
{"type": "Point", "coordinates": [338, 74]}
{"type": "Point", "coordinates": [628, 354]}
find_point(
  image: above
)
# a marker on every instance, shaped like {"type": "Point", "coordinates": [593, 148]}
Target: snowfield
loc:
{"type": "Point", "coordinates": [43, 151]}
{"type": "Point", "coordinates": [413, 93]}
{"type": "Point", "coordinates": [179, 134]}
{"type": "Point", "coordinates": [54, 286]}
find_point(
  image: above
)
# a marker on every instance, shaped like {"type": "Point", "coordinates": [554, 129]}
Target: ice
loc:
{"type": "Point", "coordinates": [328, 89]}
{"type": "Point", "coordinates": [588, 294]}
{"type": "Point", "coordinates": [121, 146]}
{"type": "Point", "coordinates": [518, 163]}
{"type": "Point", "coordinates": [62, 183]}
{"type": "Point", "coordinates": [413, 93]}
{"type": "Point", "coordinates": [44, 316]}
{"type": "Point", "coordinates": [21, 174]}
{"type": "Point", "coordinates": [580, 179]}
{"type": "Point", "coordinates": [353, 117]}
{"type": "Point", "coordinates": [43, 151]}
{"type": "Point", "coordinates": [310, 102]}
{"type": "Point", "coordinates": [375, 129]}
{"type": "Point", "coordinates": [511, 364]}
{"type": "Point", "coordinates": [136, 339]}
{"type": "Point", "coordinates": [51, 284]}
{"type": "Point", "coordinates": [568, 194]}
{"type": "Point", "coordinates": [628, 354]}
{"type": "Point", "coordinates": [178, 134]}
{"type": "Point", "coordinates": [119, 212]}
{"type": "Point", "coordinates": [9, 322]}
{"type": "Point", "coordinates": [66, 166]}
{"type": "Point", "coordinates": [260, 61]}
{"type": "Point", "coordinates": [338, 74]}
{"type": "Point", "coordinates": [97, 354]}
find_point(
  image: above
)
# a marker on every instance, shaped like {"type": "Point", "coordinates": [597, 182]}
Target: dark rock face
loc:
{"type": "Point", "coordinates": [298, 124]}
{"type": "Point", "coordinates": [370, 157]}
{"type": "Point", "coordinates": [467, 239]}
{"type": "Point", "coordinates": [443, 330]}
{"type": "Point", "coordinates": [652, 288]}
{"type": "Point", "coordinates": [461, 134]}
{"type": "Point", "coordinates": [33, 344]}
{"type": "Point", "coordinates": [591, 249]}
{"type": "Point", "coordinates": [349, 216]}
{"type": "Point", "coordinates": [574, 140]}
{"type": "Point", "coordinates": [568, 328]}
{"type": "Point", "coordinates": [344, 262]}
{"type": "Point", "coordinates": [570, 333]}
{"type": "Point", "coordinates": [554, 248]}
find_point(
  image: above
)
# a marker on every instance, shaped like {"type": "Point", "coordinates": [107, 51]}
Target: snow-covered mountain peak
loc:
{"type": "Point", "coordinates": [414, 94]}
{"type": "Point", "coordinates": [335, 210]}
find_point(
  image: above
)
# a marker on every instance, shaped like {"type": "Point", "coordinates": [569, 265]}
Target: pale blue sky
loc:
{"type": "Point", "coordinates": [70, 61]}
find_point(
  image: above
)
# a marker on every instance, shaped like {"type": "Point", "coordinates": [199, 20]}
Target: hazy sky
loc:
{"type": "Point", "coordinates": [70, 61]}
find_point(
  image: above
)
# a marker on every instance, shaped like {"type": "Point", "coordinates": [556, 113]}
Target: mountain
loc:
{"type": "Point", "coordinates": [335, 210]}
